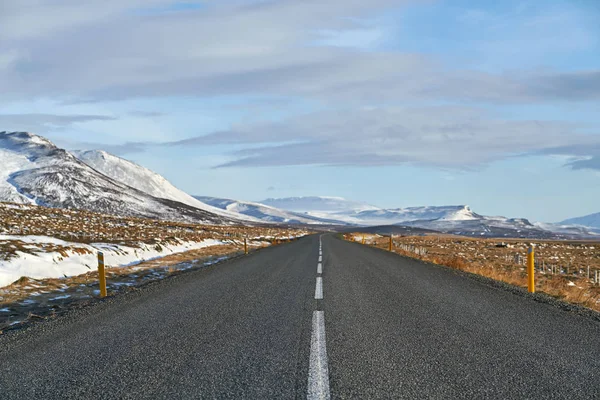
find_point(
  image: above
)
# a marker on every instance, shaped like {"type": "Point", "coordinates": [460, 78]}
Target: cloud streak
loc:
{"type": "Point", "coordinates": [43, 122]}
{"type": "Point", "coordinates": [127, 49]}
{"type": "Point", "coordinates": [241, 48]}
{"type": "Point", "coordinates": [446, 137]}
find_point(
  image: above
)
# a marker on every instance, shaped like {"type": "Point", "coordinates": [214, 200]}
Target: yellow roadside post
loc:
{"type": "Point", "coordinates": [101, 274]}
{"type": "Point", "coordinates": [363, 239]}
{"type": "Point", "coordinates": [531, 269]}
{"type": "Point", "coordinates": [245, 246]}
{"type": "Point", "coordinates": [390, 246]}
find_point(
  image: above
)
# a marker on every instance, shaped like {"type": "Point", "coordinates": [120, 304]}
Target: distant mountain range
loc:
{"type": "Point", "coordinates": [34, 170]}
{"type": "Point", "coordinates": [448, 219]}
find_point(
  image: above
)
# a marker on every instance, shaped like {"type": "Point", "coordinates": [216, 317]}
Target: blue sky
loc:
{"type": "Point", "coordinates": [395, 103]}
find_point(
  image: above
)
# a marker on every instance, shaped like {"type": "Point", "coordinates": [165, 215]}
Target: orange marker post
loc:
{"type": "Point", "coordinates": [101, 274]}
{"type": "Point", "coordinates": [531, 269]}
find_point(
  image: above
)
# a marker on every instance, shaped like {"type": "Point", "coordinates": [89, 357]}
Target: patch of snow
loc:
{"type": "Point", "coordinates": [53, 265]}
{"type": "Point", "coordinates": [65, 296]}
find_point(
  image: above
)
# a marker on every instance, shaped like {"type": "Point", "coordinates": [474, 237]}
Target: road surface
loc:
{"type": "Point", "coordinates": [362, 323]}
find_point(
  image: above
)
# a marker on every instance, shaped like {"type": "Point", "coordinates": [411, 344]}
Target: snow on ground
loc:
{"type": "Point", "coordinates": [81, 258]}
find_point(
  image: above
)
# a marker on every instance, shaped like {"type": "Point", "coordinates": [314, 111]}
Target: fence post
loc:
{"type": "Point", "coordinates": [245, 246]}
{"type": "Point", "coordinates": [390, 247]}
{"type": "Point", "coordinates": [531, 269]}
{"type": "Point", "coordinates": [363, 239]}
{"type": "Point", "coordinates": [101, 274]}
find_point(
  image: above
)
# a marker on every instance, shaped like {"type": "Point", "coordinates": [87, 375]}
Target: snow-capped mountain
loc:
{"type": "Point", "coordinates": [448, 219]}
{"type": "Point", "coordinates": [340, 209]}
{"type": "Point", "coordinates": [399, 215]}
{"type": "Point", "coordinates": [591, 221]}
{"type": "Point", "coordinates": [318, 206]}
{"type": "Point", "coordinates": [484, 226]}
{"type": "Point", "coordinates": [34, 170]}
{"type": "Point", "coordinates": [145, 180]}
{"type": "Point", "coordinates": [263, 212]}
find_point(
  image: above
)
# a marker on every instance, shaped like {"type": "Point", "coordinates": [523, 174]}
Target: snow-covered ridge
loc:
{"type": "Point", "coordinates": [145, 180]}
{"type": "Point", "coordinates": [79, 258]}
{"type": "Point", "coordinates": [262, 212]}
{"type": "Point", "coordinates": [398, 215]}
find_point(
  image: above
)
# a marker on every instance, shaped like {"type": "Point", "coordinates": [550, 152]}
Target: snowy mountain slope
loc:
{"type": "Point", "coordinates": [147, 181]}
{"type": "Point", "coordinates": [316, 205]}
{"type": "Point", "coordinates": [591, 221]}
{"type": "Point", "coordinates": [33, 170]}
{"type": "Point", "coordinates": [398, 215]}
{"type": "Point", "coordinates": [263, 212]}
{"type": "Point", "coordinates": [484, 226]}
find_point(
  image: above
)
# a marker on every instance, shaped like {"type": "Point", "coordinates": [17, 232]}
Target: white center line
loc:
{"type": "Point", "coordinates": [319, 289]}
{"type": "Point", "coordinates": [320, 258]}
{"type": "Point", "coordinates": [318, 372]}
{"type": "Point", "coordinates": [319, 268]}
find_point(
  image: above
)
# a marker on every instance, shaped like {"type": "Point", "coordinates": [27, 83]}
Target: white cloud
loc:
{"type": "Point", "coordinates": [94, 51]}
{"type": "Point", "coordinates": [111, 50]}
{"type": "Point", "coordinates": [44, 122]}
{"type": "Point", "coordinates": [448, 137]}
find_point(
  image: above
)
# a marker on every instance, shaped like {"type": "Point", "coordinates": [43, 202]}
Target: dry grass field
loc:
{"type": "Point", "coordinates": [88, 227]}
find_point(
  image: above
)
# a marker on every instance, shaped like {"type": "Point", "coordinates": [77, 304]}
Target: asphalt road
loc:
{"type": "Point", "coordinates": [261, 327]}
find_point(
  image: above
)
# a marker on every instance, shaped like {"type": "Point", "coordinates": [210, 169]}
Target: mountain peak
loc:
{"type": "Point", "coordinates": [26, 142]}
{"type": "Point", "coordinates": [144, 179]}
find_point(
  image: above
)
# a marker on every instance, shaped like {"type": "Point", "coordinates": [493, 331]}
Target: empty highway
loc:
{"type": "Point", "coordinates": [309, 320]}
